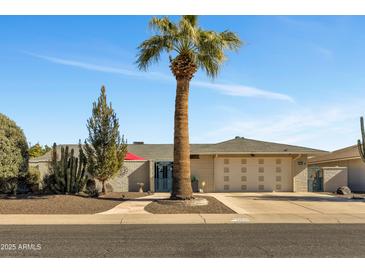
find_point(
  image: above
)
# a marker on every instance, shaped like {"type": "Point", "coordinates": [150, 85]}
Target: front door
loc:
{"type": "Point", "coordinates": [315, 179]}
{"type": "Point", "coordinates": [163, 176]}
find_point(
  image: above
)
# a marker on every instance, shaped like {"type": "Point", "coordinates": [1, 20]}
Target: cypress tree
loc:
{"type": "Point", "coordinates": [104, 148]}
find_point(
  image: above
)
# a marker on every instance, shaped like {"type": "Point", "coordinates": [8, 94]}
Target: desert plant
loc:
{"type": "Point", "coordinates": [37, 150]}
{"type": "Point", "coordinates": [33, 176]}
{"type": "Point", "coordinates": [13, 153]}
{"type": "Point", "coordinates": [105, 149]}
{"type": "Point", "coordinates": [69, 172]}
{"type": "Point", "coordinates": [91, 189]}
{"type": "Point", "coordinates": [361, 146]}
{"type": "Point", "coordinates": [194, 48]}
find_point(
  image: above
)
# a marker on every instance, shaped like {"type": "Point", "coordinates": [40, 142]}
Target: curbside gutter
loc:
{"type": "Point", "coordinates": [125, 219]}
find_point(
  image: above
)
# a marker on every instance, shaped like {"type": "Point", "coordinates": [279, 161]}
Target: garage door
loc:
{"type": "Point", "coordinates": [253, 174]}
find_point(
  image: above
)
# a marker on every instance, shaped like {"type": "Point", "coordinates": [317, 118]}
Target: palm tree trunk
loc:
{"type": "Point", "coordinates": [181, 171]}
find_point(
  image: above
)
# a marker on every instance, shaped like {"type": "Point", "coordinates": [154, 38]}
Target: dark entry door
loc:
{"type": "Point", "coordinates": [163, 176]}
{"type": "Point", "coordinates": [315, 179]}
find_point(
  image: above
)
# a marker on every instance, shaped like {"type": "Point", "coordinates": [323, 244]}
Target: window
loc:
{"type": "Point", "coordinates": [278, 178]}
{"type": "Point", "coordinates": [226, 187]}
{"type": "Point", "coordinates": [261, 161]}
{"type": "Point", "coordinates": [278, 161]}
{"type": "Point", "coordinates": [261, 178]}
{"type": "Point", "coordinates": [226, 178]}
{"type": "Point", "coordinates": [261, 169]}
{"type": "Point", "coordinates": [243, 169]}
{"type": "Point", "coordinates": [261, 187]}
{"type": "Point", "coordinates": [243, 187]}
{"type": "Point", "coordinates": [243, 161]}
{"type": "Point", "coordinates": [278, 169]}
{"type": "Point", "coordinates": [226, 170]}
{"type": "Point", "coordinates": [278, 187]}
{"type": "Point", "coordinates": [243, 178]}
{"type": "Point", "coordinates": [226, 161]}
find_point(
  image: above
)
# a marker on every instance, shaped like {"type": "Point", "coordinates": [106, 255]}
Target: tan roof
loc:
{"type": "Point", "coordinates": [343, 154]}
{"type": "Point", "coordinates": [238, 145]}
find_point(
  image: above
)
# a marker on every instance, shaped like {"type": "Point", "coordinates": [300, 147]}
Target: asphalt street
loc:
{"type": "Point", "coordinates": [225, 240]}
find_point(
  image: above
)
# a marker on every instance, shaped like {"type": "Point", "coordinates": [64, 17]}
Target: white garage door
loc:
{"type": "Point", "coordinates": [253, 174]}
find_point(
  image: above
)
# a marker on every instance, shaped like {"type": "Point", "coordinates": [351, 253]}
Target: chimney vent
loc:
{"type": "Point", "coordinates": [138, 143]}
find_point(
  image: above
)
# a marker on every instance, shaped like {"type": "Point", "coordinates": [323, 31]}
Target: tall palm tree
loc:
{"type": "Point", "coordinates": [193, 48]}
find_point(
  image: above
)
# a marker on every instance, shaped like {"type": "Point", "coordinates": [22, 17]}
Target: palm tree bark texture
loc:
{"type": "Point", "coordinates": [194, 48]}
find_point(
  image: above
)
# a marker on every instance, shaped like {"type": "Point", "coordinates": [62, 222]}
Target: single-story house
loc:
{"type": "Point", "coordinates": [239, 164]}
{"type": "Point", "coordinates": [348, 158]}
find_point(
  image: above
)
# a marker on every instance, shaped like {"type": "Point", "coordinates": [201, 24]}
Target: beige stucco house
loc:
{"type": "Point", "coordinates": [348, 158]}
{"type": "Point", "coordinates": [239, 164]}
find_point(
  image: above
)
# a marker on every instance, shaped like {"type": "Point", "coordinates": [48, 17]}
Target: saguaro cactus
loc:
{"type": "Point", "coordinates": [361, 145]}
{"type": "Point", "coordinates": [69, 171]}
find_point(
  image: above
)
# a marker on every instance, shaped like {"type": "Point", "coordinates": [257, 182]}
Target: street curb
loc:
{"type": "Point", "coordinates": [122, 219]}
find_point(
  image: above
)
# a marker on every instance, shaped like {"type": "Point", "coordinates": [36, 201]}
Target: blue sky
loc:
{"type": "Point", "coordinates": [298, 80]}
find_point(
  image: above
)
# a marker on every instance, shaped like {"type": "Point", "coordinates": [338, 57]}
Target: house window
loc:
{"type": "Point", "coordinates": [261, 169]}
{"type": "Point", "coordinates": [226, 187]}
{"type": "Point", "coordinates": [243, 178]}
{"type": "Point", "coordinates": [278, 187]}
{"type": "Point", "coordinates": [226, 161]}
{"type": "Point", "coordinates": [278, 178]}
{"type": "Point", "coordinates": [243, 169]}
{"type": "Point", "coordinates": [261, 187]}
{"type": "Point", "coordinates": [278, 169]}
{"type": "Point", "coordinates": [261, 161]}
{"type": "Point", "coordinates": [243, 161]}
{"type": "Point", "coordinates": [226, 170]}
{"type": "Point", "coordinates": [226, 178]}
{"type": "Point", "coordinates": [261, 178]}
{"type": "Point", "coordinates": [243, 187]}
{"type": "Point", "coordinates": [278, 161]}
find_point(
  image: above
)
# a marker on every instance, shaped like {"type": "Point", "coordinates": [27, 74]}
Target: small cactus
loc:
{"type": "Point", "coordinates": [361, 145]}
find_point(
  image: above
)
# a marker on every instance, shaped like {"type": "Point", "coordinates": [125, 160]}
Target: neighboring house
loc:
{"type": "Point", "coordinates": [238, 164]}
{"type": "Point", "coordinates": [349, 158]}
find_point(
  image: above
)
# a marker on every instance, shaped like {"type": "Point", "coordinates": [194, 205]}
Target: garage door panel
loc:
{"type": "Point", "coordinates": [253, 174]}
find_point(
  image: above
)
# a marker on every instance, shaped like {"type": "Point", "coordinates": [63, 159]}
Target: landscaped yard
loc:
{"type": "Point", "coordinates": [180, 207]}
{"type": "Point", "coordinates": [64, 204]}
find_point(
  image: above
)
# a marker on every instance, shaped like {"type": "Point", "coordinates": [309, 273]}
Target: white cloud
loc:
{"type": "Point", "coordinates": [230, 90]}
{"type": "Point", "coordinates": [246, 91]}
{"type": "Point", "coordinates": [100, 68]}
{"type": "Point", "coordinates": [327, 127]}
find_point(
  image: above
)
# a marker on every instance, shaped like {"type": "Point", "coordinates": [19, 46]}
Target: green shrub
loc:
{"type": "Point", "coordinates": [37, 150]}
{"type": "Point", "coordinates": [13, 153]}
{"type": "Point", "coordinates": [33, 176]}
{"type": "Point", "coordinates": [91, 188]}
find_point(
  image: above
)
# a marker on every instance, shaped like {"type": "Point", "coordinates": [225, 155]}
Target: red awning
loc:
{"type": "Point", "coordinates": [132, 157]}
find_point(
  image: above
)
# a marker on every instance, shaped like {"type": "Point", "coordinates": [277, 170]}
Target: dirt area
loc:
{"type": "Point", "coordinates": [63, 204]}
{"type": "Point", "coordinates": [179, 207]}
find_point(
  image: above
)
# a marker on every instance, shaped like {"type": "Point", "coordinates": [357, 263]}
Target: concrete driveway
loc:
{"type": "Point", "coordinates": [314, 207]}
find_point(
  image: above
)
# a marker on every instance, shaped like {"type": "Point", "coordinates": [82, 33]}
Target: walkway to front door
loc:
{"type": "Point", "coordinates": [163, 176]}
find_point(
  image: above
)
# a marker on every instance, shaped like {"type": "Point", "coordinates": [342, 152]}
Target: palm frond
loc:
{"type": "Point", "coordinates": [192, 19]}
{"type": "Point", "coordinates": [231, 40]}
{"type": "Point", "coordinates": [207, 48]}
{"type": "Point", "coordinates": [150, 50]}
{"type": "Point", "coordinates": [163, 25]}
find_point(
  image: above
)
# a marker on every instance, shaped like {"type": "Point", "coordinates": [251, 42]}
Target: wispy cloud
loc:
{"type": "Point", "coordinates": [325, 52]}
{"type": "Point", "coordinates": [226, 89]}
{"type": "Point", "coordinates": [246, 91]}
{"type": "Point", "coordinates": [100, 68]}
{"type": "Point", "coordinates": [331, 127]}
